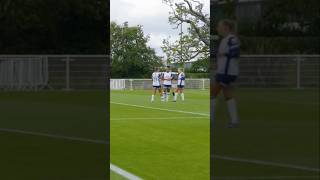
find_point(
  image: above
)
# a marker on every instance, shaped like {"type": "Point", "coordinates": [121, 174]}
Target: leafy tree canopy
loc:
{"type": "Point", "coordinates": [53, 26]}
{"type": "Point", "coordinates": [131, 56]}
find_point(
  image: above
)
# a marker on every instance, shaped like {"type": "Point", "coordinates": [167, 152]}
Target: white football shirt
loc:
{"type": "Point", "coordinates": [228, 56]}
{"type": "Point", "coordinates": [181, 79]}
{"type": "Point", "coordinates": [167, 76]}
{"type": "Point", "coordinates": [156, 77]}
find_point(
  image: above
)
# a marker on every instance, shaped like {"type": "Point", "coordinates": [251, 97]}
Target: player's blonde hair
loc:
{"type": "Point", "coordinates": [231, 24]}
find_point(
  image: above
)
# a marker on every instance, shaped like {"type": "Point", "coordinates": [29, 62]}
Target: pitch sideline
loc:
{"type": "Point", "coordinates": [113, 167]}
{"type": "Point", "coordinates": [161, 109]}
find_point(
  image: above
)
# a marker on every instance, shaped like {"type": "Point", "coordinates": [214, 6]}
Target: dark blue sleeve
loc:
{"type": "Point", "coordinates": [234, 48]}
{"type": "Point", "coordinates": [183, 77]}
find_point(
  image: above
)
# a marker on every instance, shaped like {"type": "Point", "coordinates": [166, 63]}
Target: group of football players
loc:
{"type": "Point", "coordinates": [227, 72]}
{"type": "Point", "coordinates": [163, 82]}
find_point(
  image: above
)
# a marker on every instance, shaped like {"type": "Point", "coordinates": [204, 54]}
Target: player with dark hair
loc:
{"type": "Point", "coordinates": [167, 83]}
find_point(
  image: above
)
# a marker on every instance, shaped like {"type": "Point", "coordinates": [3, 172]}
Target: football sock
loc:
{"type": "Point", "coordinates": [167, 96]}
{"type": "Point", "coordinates": [212, 106]}
{"type": "Point", "coordinates": [232, 108]}
{"type": "Point", "coordinates": [152, 98]}
{"type": "Point", "coordinates": [182, 96]}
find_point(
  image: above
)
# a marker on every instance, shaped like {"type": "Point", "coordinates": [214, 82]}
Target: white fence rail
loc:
{"type": "Point", "coordinates": [290, 71]}
{"type": "Point", "coordinates": [33, 72]}
{"type": "Point", "coordinates": [140, 84]}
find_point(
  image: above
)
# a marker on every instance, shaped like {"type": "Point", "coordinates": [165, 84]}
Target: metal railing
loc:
{"type": "Point", "coordinates": [143, 84]}
{"type": "Point", "coordinates": [65, 72]}
{"type": "Point", "coordinates": [289, 71]}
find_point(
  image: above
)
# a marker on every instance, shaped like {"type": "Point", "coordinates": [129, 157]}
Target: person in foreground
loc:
{"type": "Point", "coordinates": [227, 68]}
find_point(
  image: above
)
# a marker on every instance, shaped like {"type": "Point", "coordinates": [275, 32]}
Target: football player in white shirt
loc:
{"type": "Point", "coordinates": [156, 84]}
{"type": "Point", "coordinates": [227, 68]}
{"type": "Point", "coordinates": [167, 83]}
{"type": "Point", "coordinates": [180, 85]}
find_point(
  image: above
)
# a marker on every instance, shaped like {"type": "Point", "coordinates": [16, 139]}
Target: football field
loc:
{"type": "Point", "coordinates": [62, 135]}
{"type": "Point", "coordinates": [53, 135]}
{"type": "Point", "coordinates": [160, 140]}
{"type": "Point", "coordinates": [278, 137]}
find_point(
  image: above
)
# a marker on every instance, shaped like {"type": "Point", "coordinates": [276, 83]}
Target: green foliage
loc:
{"type": "Point", "coordinates": [197, 75]}
{"type": "Point", "coordinates": [281, 27]}
{"type": "Point", "coordinates": [201, 65]}
{"type": "Point", "coordinates": [280, 45]}
{"type": "Point", "coordinates": [185, 49]}
{"type": "Point", "coordinates": [131, 57]}
{"type": "Point", "coordinates": [53, 27]}
{"type": "Point", "coordinates": [290, 18]}
{"type": "Point", "coordinates": [194, 44]}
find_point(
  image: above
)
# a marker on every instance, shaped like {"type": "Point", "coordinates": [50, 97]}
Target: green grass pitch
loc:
{"type": "Point", "coordinates": [70, 114]}
{"type": "Point", "coordinates": [152, 141]}
{"type": "Point", "coordinates": [278, 126]}
{"type": "Point", "coordinates": [147, 140]}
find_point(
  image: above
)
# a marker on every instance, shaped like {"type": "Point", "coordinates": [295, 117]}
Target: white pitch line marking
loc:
{"type": "Point", "coordinates": [161, 109]}
{"type": "Point", "coordinates": [267, 163]}
{"type": "Point", "coordinates": [142, 118]}
{"type": "Point", "coordinates": [114, 168]}
{"type": "Point", "coordinates": [290, 166]}
{"type": "Point", "coordinates": [124, 173]}
{"type": "Point", "coordinates": [266, 177]}
{"type": "Point", "coordinates": [54, 136]}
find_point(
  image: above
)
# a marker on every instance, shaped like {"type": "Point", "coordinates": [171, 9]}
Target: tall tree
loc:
{"type": "Point", "coordinates": [194, 44]}
{"type": "Point", "coordinates": [131, 56]}
{"type": "Point", "coordinates": [51, 26]}
{"type": "Point", "coordinates": [184, 49]}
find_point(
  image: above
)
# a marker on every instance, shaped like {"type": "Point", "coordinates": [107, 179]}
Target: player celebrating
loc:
{"type": "Point", "coordinates": [167, 83]}
{"type": "Point", "coordinates": [156, 78]}
{"type": "Point", "coordinates": [180, 85]}
{"type": "Point", "coordinates": [227, 68]}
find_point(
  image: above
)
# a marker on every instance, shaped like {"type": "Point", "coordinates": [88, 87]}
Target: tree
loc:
{"type": "Point", "coordinates": [195, 43]}
{"type": "Point", "coordinates": [190, 12]}
{"type": "Point", "coordinates": [185, 49]}
{"type": "Point", "coordinates": [131, 57]}
{"type": "Point", "coordinates": [53, 27]}
{"type": "Point", "coordinates": [291, 18]}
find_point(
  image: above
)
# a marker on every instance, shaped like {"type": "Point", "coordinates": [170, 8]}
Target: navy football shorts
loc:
{"type": "Point", "coordinates": [225, 80]}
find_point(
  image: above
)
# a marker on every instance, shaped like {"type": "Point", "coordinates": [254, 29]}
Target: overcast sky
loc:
{"type": "Point", "coordinates": [151, 14]}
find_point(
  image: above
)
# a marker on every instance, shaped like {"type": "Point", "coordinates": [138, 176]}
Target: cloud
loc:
{"type": "Point", "coordinates": [151, 14]}
{"type": "Point", "coordinates": [156, 41]}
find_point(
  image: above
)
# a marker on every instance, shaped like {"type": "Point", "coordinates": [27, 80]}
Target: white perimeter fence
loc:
{"type": "Point", "coordinates": [34, 72]}
{"type": "Point", "coordinates": [135, 84]}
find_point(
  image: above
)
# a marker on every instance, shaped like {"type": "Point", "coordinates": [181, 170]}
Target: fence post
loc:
{"type": "Point", "coordinates": [203, 88]}
{"type": "Point", "coordinates": [298, 72]}
{"type": "Point", "coordinates": [68, 73]}
{"type": "Point", "coordinates": [131, 88]}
